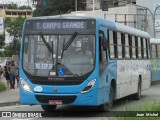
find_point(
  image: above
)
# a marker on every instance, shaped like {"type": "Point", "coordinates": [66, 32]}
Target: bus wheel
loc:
{"type": "Point", "coordinates": [137, 96]}
{"type": "Point", "coordinates": [108, 106]}
{"type": "Point", "coordinates": [49, 108]}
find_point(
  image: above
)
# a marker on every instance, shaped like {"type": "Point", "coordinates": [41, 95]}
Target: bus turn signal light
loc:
{"type": "Point", "coordinates": [89, 86]}
{"type": "Point", "coordinates": [25, 86]}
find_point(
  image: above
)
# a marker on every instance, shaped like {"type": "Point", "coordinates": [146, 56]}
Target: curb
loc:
{"type": "Point", "coordinates": [9, 103]}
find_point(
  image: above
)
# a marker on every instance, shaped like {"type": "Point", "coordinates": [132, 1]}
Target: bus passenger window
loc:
{"type": "Point", "coordinates": [133, 48]}
{"type": "Point", "coordinates": [139, 48]}
{"type": "Point", "coordinates": [136, 46]}
{"type": "Point", "coordinates": [148, 48]}
{"type": "Point", "coordinates": [144, 48]}
{"type": "Point", "coordinates": [111, 45]}
{"type": "Point", "coordinates": [127, 55]}
{"type": "Point", "coordinates": [153, 51]}
{"type": "Point", "coordinates": [119, 41]}
{"type": "Point", "coordinates": [158, 49]}
{"type": "Point", "coordinates": [102, 49]}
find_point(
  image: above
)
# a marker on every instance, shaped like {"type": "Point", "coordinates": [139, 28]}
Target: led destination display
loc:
{"type": "Point", "coordinates": [61, 25]}
{"type": "Point", "coordinates": [54, 25]}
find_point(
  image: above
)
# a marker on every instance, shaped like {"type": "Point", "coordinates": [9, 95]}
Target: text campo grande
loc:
{"type": "Point", "coordinates": [62, 25]}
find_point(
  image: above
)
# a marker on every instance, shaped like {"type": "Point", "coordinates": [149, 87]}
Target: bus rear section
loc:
{"type": "Point", "coordinates": [155, 58]}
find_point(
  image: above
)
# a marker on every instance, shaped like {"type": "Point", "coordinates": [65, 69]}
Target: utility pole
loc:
{"type": "Point", "coordinates": [151, 15]}
{"type": "Point", "coordinates": [76, 5]}
{"type": "Point", "coordinates": [154, 15]}
{"type": "Point", "coordinates": [93, 5]}
{"type": "Point", "coordinates": [28, 2]}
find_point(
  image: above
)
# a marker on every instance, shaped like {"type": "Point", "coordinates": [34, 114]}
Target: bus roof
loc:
{"type": "Point", "coordinates": [60, 17]}
{"type": "Point", "coordinates": [154, 40]}
{"type": "Point", "coordinates": [123, 28]}
{"type": "Point", "coordinates": [130, 30]}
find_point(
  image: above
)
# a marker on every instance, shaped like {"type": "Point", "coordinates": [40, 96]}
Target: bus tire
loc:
{"type": "Point", "coordinates": [137, 95]}
{"type": "Point", "coordinates": [49, 108]}
{"type": "Point", "coordinates": [107, 106]}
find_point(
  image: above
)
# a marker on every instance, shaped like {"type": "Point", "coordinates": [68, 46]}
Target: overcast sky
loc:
{"type": "Point", "coordinates": [19, 2]}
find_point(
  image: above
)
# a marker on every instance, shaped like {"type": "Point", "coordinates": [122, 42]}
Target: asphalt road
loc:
{"type": "Point", "coordinates": [89, 113]}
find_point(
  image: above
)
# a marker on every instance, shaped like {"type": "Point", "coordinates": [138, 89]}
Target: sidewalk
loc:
{"type": "Point", "coordinates": [9, 97]}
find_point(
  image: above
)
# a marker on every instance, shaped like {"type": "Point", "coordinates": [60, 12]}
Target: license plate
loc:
{"type": "Point", "coordinates": [55, 102]}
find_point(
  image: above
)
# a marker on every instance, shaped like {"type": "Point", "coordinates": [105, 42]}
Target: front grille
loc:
{"type": "Point", "coordinates": [46, 98]}
{"type": "Point", "coordinates": [57, 82]}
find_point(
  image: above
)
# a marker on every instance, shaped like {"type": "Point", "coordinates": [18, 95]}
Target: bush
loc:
{"type": "Point", "coordinates": [147, 107]}
{"type": "Point", "coordinates": [2, 87]}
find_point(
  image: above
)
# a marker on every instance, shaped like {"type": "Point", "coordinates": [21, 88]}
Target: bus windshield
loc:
{"type": "Point", "coordinates": [68, 55]}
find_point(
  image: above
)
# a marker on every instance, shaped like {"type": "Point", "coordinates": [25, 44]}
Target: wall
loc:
{"type": "Point", "coordinates": [89, 4]}
{"type": "Point", "coordinates": [115, 14]}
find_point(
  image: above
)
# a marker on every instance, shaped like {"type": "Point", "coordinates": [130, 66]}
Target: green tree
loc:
{"type": "Point", "coordinates": [24, 7]}
{"type": "Point", "coordinates": [14, 28]}
{"type": "Point", "coordinates": [15, 6]}
{"type": "Point", "coordinates": [2, 37]}
{"type": "Point", "coordinates": [7, 21]}
{"type": "Point", "coordinates": [54, 7]}
{"type": "Point", "coordinates": [2, 40]}
{"type": "Point", "coordinates": [15, 25]}
{"type": "Point", "coordinates": [7, 51]}
{"type": "Point", "coordinates": [12, 6]}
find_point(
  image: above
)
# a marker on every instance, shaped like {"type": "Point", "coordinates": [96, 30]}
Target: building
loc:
{"type": "Point", "coordinates": [123, 13]}
{"type": "Point", "coordinates": [109, 3]}
{"type": "Point", "coordinates": [14, 13]}
{"type": "Point", "coordinates": [91, 3]}
{"type": "Point", "coordinates": [135, 13]}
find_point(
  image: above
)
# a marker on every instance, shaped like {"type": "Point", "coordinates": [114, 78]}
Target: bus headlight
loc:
{"type": "Point", "coordinates": [89, 86]}
{"type": "Point", "coordinates": [25, 86]}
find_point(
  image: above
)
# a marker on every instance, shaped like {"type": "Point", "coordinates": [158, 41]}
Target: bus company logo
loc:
{"type": "Point", "coordinates": [38, 89]}
{"type": "Point", "coordinates": [55, 90]}
{"type": "Point", "coordinates": [6, 114]}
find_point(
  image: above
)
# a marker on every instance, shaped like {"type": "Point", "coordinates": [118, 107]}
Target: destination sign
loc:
{"type": "Point", "coordinates": [62, 25]}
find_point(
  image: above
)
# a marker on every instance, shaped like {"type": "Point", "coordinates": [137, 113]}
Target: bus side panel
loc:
{"type": "Point", "coordinates": [133, 85]}
{"type": "Point", "coordinates": [105, 82]}
{"type": "Point", "coordinates": [146, 74]}
{"type": "Point", "coordinates": [128, 73]}
{"type": "Point", "coordinates": [109, 73]}
{"type": "Point", "coordinates": [124, 70]}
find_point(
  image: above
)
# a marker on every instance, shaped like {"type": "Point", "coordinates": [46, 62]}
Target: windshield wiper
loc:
{"type": "Point", "coordinates": [70, 40]}
{"type": "Point", "coordinates": [63, 48]}
{"type": "Point", "coordinates": [47, 45]}
{"type": "Point", "coordinates": [45, 42]}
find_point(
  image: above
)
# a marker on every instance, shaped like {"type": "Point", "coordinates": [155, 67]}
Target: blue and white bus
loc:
{"type": "Point", "coordinates": [81, 61]}
{"type": "Point", "coordinates": [155, 58]}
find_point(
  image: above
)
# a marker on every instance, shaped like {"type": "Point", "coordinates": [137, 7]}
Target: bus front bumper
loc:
{"type": "Point", "coordinates": [83, 99]}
